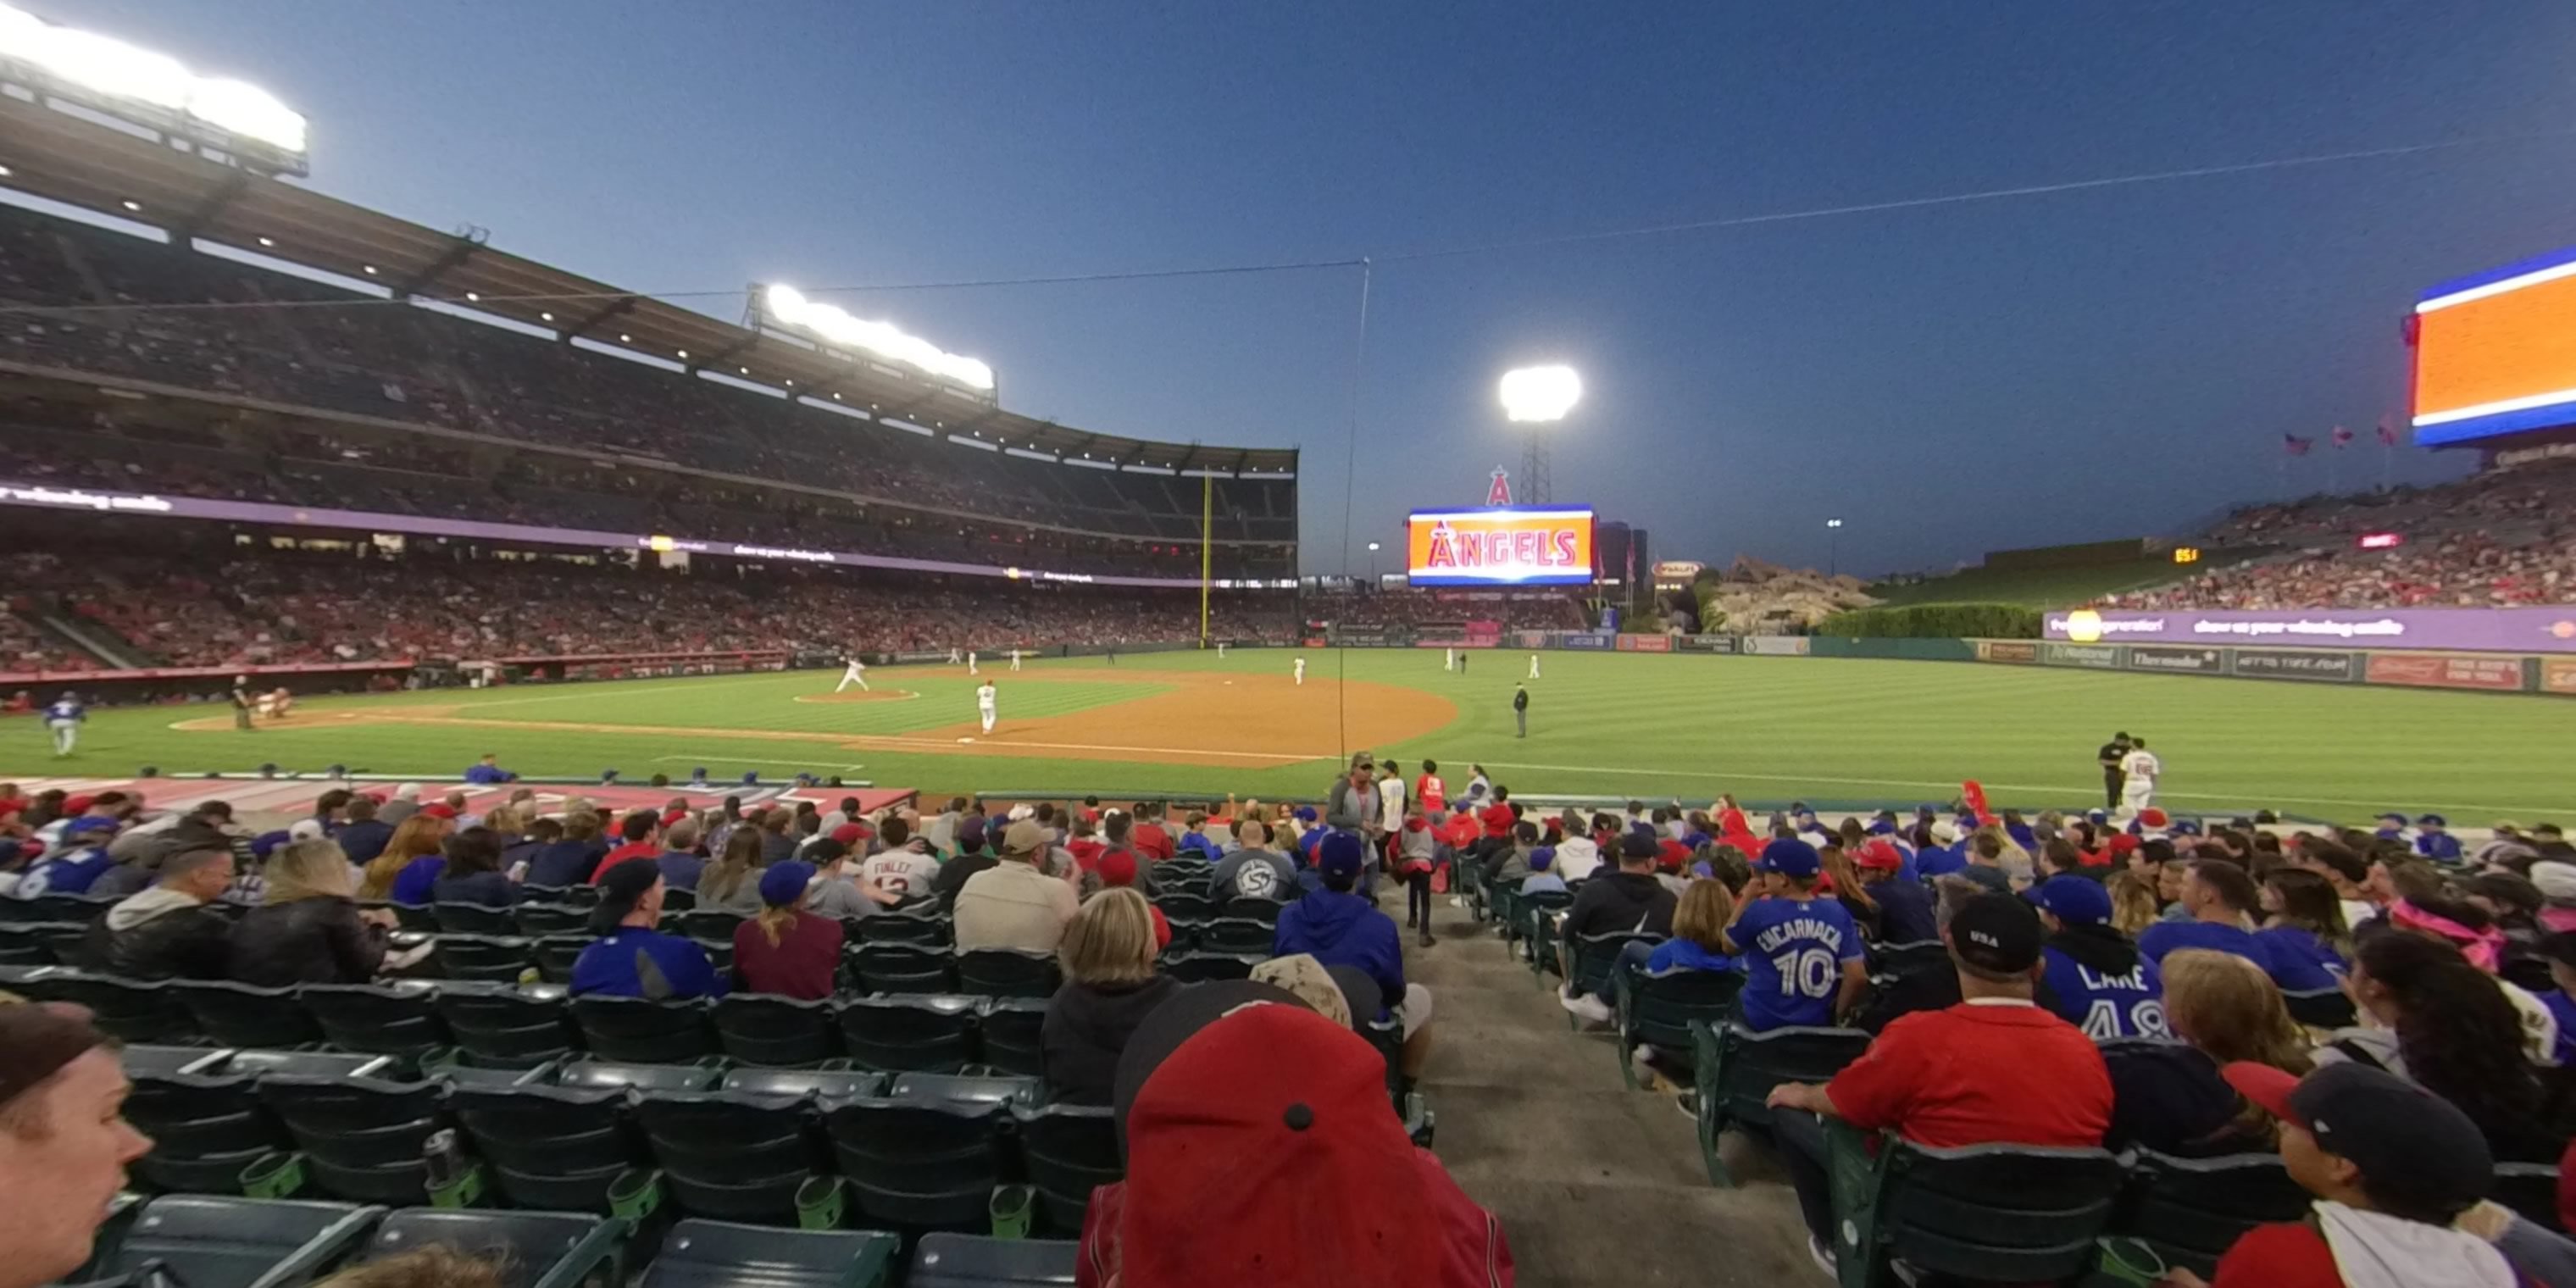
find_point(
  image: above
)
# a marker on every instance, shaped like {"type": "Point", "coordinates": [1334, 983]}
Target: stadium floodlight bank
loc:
{"type": "Point", "coordinates": [779, 308]}
{"type": "Point", "coordinates": [233, 119]}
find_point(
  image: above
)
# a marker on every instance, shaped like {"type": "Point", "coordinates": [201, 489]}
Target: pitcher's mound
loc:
{"type": "Point", "coordinates": [859, 695]}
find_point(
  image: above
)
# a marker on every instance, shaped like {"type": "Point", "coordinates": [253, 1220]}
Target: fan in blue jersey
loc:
{"type": "Point", "coordinates": [63, 719]}
{"type": "Point", "coordinates": [1802, 955]}
{"type": "Point", "coordinates": [2098, 980]}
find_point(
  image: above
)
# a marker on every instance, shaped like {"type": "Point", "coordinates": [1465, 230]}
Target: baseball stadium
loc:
{"type": "Point", "coordinates": [521, 781]}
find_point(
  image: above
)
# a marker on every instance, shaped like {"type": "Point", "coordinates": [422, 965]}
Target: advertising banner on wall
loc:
{"type": "Point", "coordinates": [2446, 671]}
{"type": "Point", "coordinates": [2101, 657]}
{"type": "Point", "coordinates": [1776, 645]}
{"type": "Point", "coordinates": [1645, 643]}
{"type": "Point", "coordinates": [2504, 630]}
{"type": "Point", "coordinates": [1592, 643]}
{"type": "Point", "coordinates": [1705, 643]}
{"type": "Point", "coordinates": [2016, 652]}
{"type": "Point", "coordinates": [2155, 657]}
{"type": "Point", "coordinates": [2558, 675]}
{"type": "Point", "coordinates": [2295, 664]}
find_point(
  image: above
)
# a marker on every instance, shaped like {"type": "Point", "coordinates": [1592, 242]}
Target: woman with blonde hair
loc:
{"type": "Point", "coordinates": [786, 950]}
{"type": "Point", "coordinates": [410, 863]}
{"type": "Point", "coordinates": [2133, 903]}
{"type": "Point", "coordinates": [1699, 923]}
{"type": "Point", "coordinates": [733, 883]}
{"type": "Point", "coordinates": [1109, 988]}
{"type": "Point", "coordinates": [308, 929]}
{"type": "Point", "coordinates": [2169, 1097]}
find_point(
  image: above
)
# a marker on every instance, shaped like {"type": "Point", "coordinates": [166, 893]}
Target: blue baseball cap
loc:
{"type": "Point", "coordinates": [2185, 827]}
{"type": "Point", "coordinates": [2077, 901]}
{"type": "Point", "coordinates": [1341, 855]}
{"type": "Point", "coordinates": [783, 884]}
{"type": "Point", "coordinates": [1542, 858]}
{"type": "Point", "coordinates": [1790, 857]}
{"type": "Point", "coordinates": [2097, 815]}
{"type": "Point", "coordinates": [1881, 828]}
{"type": "Point", "coordinates": [2433, 820]}
{"type": "Point", "coordinates": [2393, 816]}
{"type": "Point", "coordinates": [266, 843]}
{"type": "Point", "coordinates": [87, 824]}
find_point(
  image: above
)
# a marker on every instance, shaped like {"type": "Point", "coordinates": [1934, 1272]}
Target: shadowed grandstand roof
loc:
{"type": "Point", "coordinates": [54, 154]}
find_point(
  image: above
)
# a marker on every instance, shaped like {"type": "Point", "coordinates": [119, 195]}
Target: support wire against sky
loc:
{"type": "Point", "coordinates": [1350, 473]}
{"type": "Point", "coordinates": [1427, 253]}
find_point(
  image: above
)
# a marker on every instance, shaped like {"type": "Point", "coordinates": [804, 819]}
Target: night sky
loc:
{"type": "Point", "coordinates": [1949, 379]}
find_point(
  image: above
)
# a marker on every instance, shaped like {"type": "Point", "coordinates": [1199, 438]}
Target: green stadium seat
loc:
{"type": "Point", "coordinates": [540, 920]}
{"type": "Point", "coordinates": [591, 1072]}
{"type": "Point", "coordinates": [474, 919]}
{"type": "Point", "coordinates": [895, 967]}
{"type": "Point", "coordinates": [208, 1126]}
{"type": "Point", "coordinates": [410, 916]}
{"type": "Point", "coordinates": [1589, 958]}
{"type": "Point", "coordinates": [2190, 1211]}
{"type": "Point", "coordinates": [397, 1019]}
{"type": "Point", "coordinates": [501, 1026]}
{"type": "Point", "coordinates": [499, 959]}
{"type": "Point", "coordinates": [555, 956]}
{"type": "Point", "coordinates": [757, 1028]}
{"type": "Point", "coordinates": [240, 1015]}
{"type": "Point", "coordinates": [637, 1031]}
{"type": "Point", "coordinates": [129, 1010]}
{"type": "Point", "coordinates": [1734, 1069]}
{"type": "Point", "coordinates": [1242, 936]}
{"type": "Point", "coordinates": [1066, 1150]}
{"type": "Point", "coordinates": [925, 1033]}
{"type": "Point", "coordinates": [970, 1261]}
{"type": "Point", "coordinates": [1985, 1213]}
{"type": "Point", "coordinates": [1003, 972]}
{"type": "Point", "coordinates": [362, 1137]}
{"type": "Point", "coordinates": [699, 1253]}
{"type": "Point", "coordinates": [1008, 1036]}
{"type": "Point", "coordinates": [734, 1156]}
{"type": "Point", "coordinates": [534, 1249]}
{"type": "Point", "coordinates": [207, 1241]}
{"type": "Point", "coordinates": [919, 1163]}
{"type": "Point", "coordinates": [1657, 1011]}
{"type": "Point", "coordinates": [551, 1148]}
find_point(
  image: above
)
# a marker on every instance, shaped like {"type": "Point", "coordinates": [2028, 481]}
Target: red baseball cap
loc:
{"type": "Point", "coordinates": [1879, 855]}
{"type": "Point", "coordinates": [849, 833]}
{"type": "Point", "coordinates": [1116, 867]}
{"type": "Point", "coordinates": [78, 804]}
{"type": "Point", "coordinates": [1268, 1098]}
{"type": "Point", "coordinates": [1672, 855]}
{"type": "Point", "coordinates": [2152, 816]}
{"type": "Point", "coordinates": [440, 810]}
{"type": "Point", "coordinates": [2124, 843]}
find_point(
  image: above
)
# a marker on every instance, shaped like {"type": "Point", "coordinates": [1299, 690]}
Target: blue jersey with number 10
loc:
{"type": "Point", "coordinates": [1793, 960]}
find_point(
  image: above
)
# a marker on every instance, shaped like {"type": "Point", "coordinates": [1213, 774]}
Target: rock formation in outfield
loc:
{"type": "Point", "coordinates": [1754, 596]}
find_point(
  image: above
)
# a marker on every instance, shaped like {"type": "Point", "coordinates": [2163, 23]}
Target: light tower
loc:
{"type": "Point", "coordinates": [1536, 396]}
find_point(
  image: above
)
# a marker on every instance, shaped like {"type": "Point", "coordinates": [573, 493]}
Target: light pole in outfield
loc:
{"type": "Point", "coordinates": [1537, 396]}
{"type": "Point", "coordinates": [1833, 546]}
{"type": "Point", "coordinates": [1373, 566]}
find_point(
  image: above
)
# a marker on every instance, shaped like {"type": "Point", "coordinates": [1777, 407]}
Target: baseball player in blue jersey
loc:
{"type": "Point", "coordinates": [63, 719]}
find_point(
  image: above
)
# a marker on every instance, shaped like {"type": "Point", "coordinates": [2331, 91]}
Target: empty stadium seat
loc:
{"type": "Point", "coordinates": [399, 1019]}
{"type": "Point", "coordinates": [1003, 972]}
{"type": "Point", "coordinates": [2190, 1211]}
{"type": "Point", "coordinates": [734, 1156]}
{"type": "Point", "coordinates": [698, 1253]}
{"type": "Point", "coordinates": [551, 1148]}
{"type": "Point", "coordinates": [240, 1015]}
{"type": "Point", "coordinates": [500, 959]}
{"type": "Point", "coordinates": [474, 919]}
{"type": "Point", "coordinates": [1734, 1070]}
{"type": "Point", "coordinates": [1066, 1150]}
{"type": "Point", "coordinates": [1009, 1035]}
{"type": "Point", "coordinates": [210, 1241]}
{"type": "Point", "coordinates": [208, 1126]}
{"type": "Point", "coordinates": [1887, 961]}
{"type": "Point", "coordinates": [896, 967]}
{"type": "Point", "coordinates": [1240, 935]}
{"type": "Point", "coordinates": [555, 956]}
{"type": "Point", "coordinates": [1588, 959]}
{"type": "Point", "coordinates": [711, 923]}
{"type": "Point", "coordinates": [756, 1028]}
{"type": "Point", "coordinates": [362, 1137]}
{"type": "Point", "coordinates": [635, 1030]}
{"type": "Point", "coordinates": [970, 1261]}
{"type": "Point", "coordinates": [534, 1249]}
{"type": "Point", "coordinates": [1657, 1011]}
{"type": "Point", "coordinates": [1250, 908]}
{"type": "Point", "coordinates": [501, 1026]}
{"type": "Point", "coordinates": [1197, 967]}
{"type": "Point", "coordinates": [129, 1010]}
{"type": "Point", "coordinates": [897, 1034]}
{"type": "Point", "coordinates": [919, 1163]}
{"type": "Point", "coordinates": [20, 945]}
{"type": "Point", "coordinates": [1186, 905]}
{"type": "Point", "coordinates": [924, 928]}
{"type": "Point", "coordinates": [539, 920]}
{"type": "Point", "coordinates": [1984, 1213]}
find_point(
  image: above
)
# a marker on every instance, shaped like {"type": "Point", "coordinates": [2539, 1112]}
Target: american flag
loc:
{"type": "Point", "coordinates": [2342, 438]}
{"type": "Point", "coordinates": [2295, 445]}
{"type": "Point", "coordinates": [2387, 434]}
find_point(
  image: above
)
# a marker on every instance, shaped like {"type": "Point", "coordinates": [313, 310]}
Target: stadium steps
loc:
{"type": "Point", "coordinates": [1596, 1185]}
{"type": "Point", "coordinates": [92, 285]}
{"type": "Point", "coordinates": [89, 637]}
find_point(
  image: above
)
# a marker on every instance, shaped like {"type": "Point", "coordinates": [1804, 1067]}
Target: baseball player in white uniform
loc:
{"type": "Point", "coordinates": [63, 719]}
{"type": "Point", "coordinates": [854, 673]}
{"type": "Point", "coordinates": [1448, 659]}
{"type": "Point", "coordinates": [984, 704]}
{"type": "Point", "coordinates": [1220, 650]}
{"type": "Point", "coordinates": [1533, 666]}
{"type": "Point", "coordinates": [2139, 771]}
{"type": "Point", "coordinates": [1299, 670]}
{"type": "Point", "coordinates": [970, 663]}
{"type": "Point", "coordinates": [1015, 659]}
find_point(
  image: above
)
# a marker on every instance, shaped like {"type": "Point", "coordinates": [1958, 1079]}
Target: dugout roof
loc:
{"type": "Point", "coordinates": [64, 157]}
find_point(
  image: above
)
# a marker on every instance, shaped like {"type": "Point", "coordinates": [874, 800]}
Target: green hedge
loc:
{"type": "Point", "coordinates": [1923, 621]}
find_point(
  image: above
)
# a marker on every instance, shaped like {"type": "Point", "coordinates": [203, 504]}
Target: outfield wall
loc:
{"type": "Point", "coordinates": [2541, 673]}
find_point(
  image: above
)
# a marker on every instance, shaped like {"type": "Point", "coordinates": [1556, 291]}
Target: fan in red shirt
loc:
{"type": "Point", "coordinates": [1429, 790]}
{"type": "Point", "coordinates": [1462, 831]}
{"type": "Point", "coordinates": [642, 833]}
{"type": "Point", "coordinates": [2392, 1166]}
{"type": "Point", "coordinates": [1118, 868]}
{"type": "Point", "coordinates": [1995, 1069]}
{"type": "Point", "coordinates": [1498, 817]}
{"type": "Point", "coordinates": [1151, 842]}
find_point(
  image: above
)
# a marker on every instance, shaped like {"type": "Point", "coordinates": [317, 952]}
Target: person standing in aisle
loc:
{"type": "Point", "coordinates": [1520, 709]}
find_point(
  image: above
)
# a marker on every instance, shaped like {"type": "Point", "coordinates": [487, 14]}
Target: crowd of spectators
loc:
{"type": "Point", "coordinates": [2500, 539]}
{"type": "Point", "coordinates": [1410, 607]}
{"type": "Point", "coordinates": [393, 362]}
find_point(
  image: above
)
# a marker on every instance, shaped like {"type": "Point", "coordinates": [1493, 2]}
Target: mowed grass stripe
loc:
{"type": "Point", "coordinates": [1607, 724]}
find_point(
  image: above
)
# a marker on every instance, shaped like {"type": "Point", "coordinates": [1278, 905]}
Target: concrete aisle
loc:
{"type": "Point", "coordinates": [1595, 1184]}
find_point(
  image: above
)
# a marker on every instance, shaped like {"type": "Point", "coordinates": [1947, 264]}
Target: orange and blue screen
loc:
{"type": "Point", "coordinates": [2495, 353]}
{"type": "Point", "coordinates": [1500, 546]}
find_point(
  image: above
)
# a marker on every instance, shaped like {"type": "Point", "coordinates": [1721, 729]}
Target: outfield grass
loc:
{"type": "Point", "coordinates": [1768, 729]}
